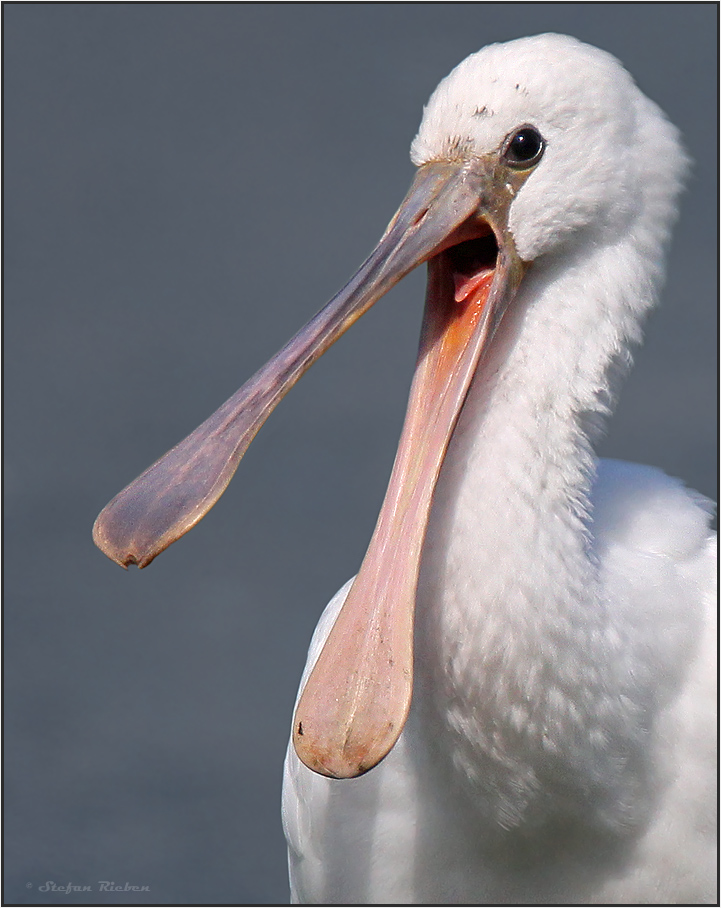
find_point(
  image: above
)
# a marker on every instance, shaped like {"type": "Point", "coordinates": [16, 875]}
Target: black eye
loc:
{"type": "Point", "coordinates": [523, 148]}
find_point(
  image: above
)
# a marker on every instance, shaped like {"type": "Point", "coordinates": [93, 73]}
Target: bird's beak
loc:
{"type": "Point", "coordinates": [357, 697]}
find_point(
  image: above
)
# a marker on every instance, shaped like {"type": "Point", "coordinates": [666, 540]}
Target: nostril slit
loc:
{"type": "Point", "coordinates": [419, 217]}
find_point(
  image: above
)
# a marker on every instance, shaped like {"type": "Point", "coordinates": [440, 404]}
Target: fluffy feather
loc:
{"type": "Point", "coordinates": [560, 743]}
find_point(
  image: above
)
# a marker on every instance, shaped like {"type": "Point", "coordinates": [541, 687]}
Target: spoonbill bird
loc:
{"type": "Point", "coordinates": [551, 614]}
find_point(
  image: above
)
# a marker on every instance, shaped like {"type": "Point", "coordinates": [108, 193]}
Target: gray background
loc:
{"type": "Point", "coordinates": [185, 186]}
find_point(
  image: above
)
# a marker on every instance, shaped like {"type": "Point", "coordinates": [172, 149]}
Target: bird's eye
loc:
{"type": "Point", "coordinates": [523, 148]}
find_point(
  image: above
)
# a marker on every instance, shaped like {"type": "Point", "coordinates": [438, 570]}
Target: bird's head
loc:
{"type": "Point", "coordinates": [523, 148]}
{"type": "Point", "coordinates": [607, 155]}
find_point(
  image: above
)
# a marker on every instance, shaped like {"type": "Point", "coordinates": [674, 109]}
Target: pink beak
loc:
{"type": "Point", "coordinates": [357, 697]}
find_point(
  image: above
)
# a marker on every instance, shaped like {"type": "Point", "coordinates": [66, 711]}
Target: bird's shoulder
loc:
{"type": "Point", "coordinates": [657, 560]}
{"type": "Point", "coordinates": [643, 510]}
{"type": "Point", "coordinates": [655, 551]}
{"type": "Point", "coordinates": [657, 557]}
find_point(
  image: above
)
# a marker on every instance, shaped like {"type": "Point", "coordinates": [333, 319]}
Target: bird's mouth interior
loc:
{"type": "Point", "coordinates": [460, 276]}
{"type": "Point", "coordinates": [470, 262]}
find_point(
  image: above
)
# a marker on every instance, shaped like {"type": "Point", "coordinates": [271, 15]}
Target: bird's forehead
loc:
{"type": "Point", "coordinates": [548, 81]}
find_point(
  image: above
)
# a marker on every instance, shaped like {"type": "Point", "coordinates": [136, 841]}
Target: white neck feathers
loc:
{"type": "Point", "coordinates": [512, 631]}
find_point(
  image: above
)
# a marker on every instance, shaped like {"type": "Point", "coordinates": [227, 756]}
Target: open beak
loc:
{"type": "Point", "coordinates": [357, 698]}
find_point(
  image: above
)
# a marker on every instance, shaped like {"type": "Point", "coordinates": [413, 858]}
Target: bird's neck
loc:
{"type": "Point", "coordinates": [512, 630]}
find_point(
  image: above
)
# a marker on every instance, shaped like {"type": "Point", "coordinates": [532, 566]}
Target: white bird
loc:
{"type": "Point", "coordinates": [552, 615]}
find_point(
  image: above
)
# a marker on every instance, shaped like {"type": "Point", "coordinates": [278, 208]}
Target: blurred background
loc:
{"type": "Point", "coordinates": [185, 184]}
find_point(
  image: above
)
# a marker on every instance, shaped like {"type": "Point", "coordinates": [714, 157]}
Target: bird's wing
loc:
{"type": "Point", "coordinates": [348, 839]}
{"type": "Point", "coordinates": [655, 548]}
{"type": "Point", "coordinates": [300, 786]}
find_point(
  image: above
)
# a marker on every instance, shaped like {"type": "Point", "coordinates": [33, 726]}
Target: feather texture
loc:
{"type": "Point", "coordinates": [560, 747]}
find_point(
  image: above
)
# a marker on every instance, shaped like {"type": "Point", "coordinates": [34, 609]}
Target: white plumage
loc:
{"type": "Point", "coordinates": [560, 744]}
{"type": "Point", "coordinates": [552, 616]}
